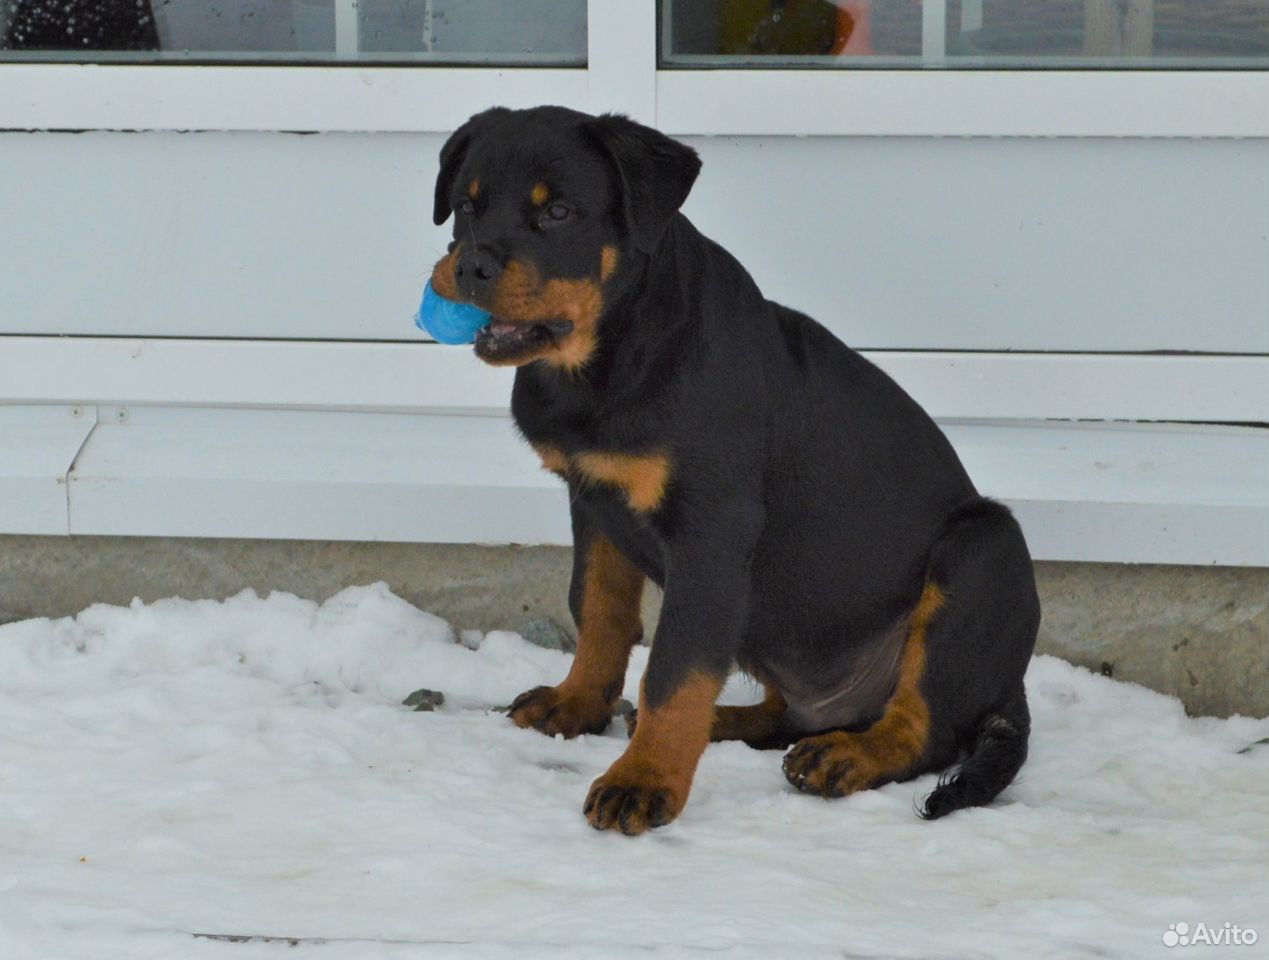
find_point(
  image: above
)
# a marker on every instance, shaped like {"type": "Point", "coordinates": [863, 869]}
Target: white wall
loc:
{"type": "Point", "coordinates": [209, 333]}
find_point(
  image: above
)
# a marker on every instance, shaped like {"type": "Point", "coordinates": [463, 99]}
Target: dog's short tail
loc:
{"type": "Point", "coordinates": [995, 756]}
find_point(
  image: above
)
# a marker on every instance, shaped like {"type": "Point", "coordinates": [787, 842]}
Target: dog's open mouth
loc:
{"type": "Point", "coordinates": [502, 340]}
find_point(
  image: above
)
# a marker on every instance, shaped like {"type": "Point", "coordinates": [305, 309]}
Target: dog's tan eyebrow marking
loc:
{"type": "Point", "coordinates": [608, 263]}
{"type": "Point", "coordinates": [539, 194]}
{"type": "Point", "coordinates": [473, 188]}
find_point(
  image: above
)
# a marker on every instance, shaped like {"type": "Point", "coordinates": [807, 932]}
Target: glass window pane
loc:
{"type": "Point", "coordinates": [525, 32]}
{"type": "Point", "coordinates": [993, 34]}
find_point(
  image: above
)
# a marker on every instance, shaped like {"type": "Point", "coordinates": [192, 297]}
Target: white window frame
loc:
{"type": "Point", "coordinates": [622, 75]}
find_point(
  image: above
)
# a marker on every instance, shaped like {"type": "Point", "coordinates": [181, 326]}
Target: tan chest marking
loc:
{"type": "Point", "coordinates": [643, 477]}
{"type": "Point", "coordinates": [552, 458]}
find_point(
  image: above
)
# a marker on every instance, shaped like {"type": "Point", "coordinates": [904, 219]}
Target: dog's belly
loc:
{"type": "Point", "coordinates": [845, 687]}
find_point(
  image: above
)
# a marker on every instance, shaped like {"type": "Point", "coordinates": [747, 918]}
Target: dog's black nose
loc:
{"type": "Point", "coordinates": [476, 271]}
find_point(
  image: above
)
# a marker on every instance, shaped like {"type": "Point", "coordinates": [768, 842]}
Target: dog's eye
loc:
{"type": "Point", "coordinates": [558, 211]}
{"type": "Point", "coordinates": [466, 207]}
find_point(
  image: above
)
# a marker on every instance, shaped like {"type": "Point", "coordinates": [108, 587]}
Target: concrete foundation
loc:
{"type": "Point", "coordinates": [1199, 633]}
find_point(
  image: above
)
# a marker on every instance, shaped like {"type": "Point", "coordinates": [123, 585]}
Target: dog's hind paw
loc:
{"type": "Point", "coordinates": [829, 765]}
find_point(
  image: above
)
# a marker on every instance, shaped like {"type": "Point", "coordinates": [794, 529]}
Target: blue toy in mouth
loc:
{"type": "Point", "coordinates": [448, 321]}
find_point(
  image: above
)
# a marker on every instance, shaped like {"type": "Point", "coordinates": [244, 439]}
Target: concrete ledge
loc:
{"type": "Point", "coordinates": [1200, 633]}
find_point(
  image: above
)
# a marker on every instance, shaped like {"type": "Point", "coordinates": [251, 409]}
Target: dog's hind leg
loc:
{"type": "Point", "coordinates": [959, 687]}
{"type": "Point", "coordinates": [760, 725]}
{"type": "Point", "coordinates": [837, 763]}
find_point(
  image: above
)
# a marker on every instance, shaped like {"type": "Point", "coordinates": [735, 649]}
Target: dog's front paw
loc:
{"type": "Point", "coordinates": [831, 765]}
{"type": "Point", "coordinates": [631, 804]}
{"type": "Point", "coordinates": [554, 710]}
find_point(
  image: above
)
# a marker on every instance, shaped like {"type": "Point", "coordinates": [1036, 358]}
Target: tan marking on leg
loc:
{"type": "Point", "coordinates": [643, 477]}
{"type": "Point", "coordinates": [611, 620]}
{"type": "Point", "coordinates": [649, 784]}
{"type": "Point", "coordinates": [552, 458]}
{"type": "Point", "coordinates": [539, 194]}
{"type": "Point", "coordinates": [835, 764]}
{"type": "Point", "coordinates": [611, 625]}
{"type": "Point", "coordinates": [756, 722]}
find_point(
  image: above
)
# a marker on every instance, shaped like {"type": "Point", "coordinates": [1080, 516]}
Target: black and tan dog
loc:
{"type": "Point", "coordinates": [807, 520]}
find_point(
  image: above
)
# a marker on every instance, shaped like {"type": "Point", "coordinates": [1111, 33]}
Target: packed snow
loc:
{"type": "Point", "coordinates": [177, 774]}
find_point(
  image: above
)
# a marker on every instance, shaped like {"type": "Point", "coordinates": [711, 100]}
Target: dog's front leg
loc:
{"type": "Point", "coordinates": [706, 603]}
{"type": "Point", "coordinates": [604, 598]}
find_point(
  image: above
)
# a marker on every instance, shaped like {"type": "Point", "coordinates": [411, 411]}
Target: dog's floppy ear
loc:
{"type": "Point", "coordinates": [452, 156]}
{"type": "Point", "coordinates": [655, 174]}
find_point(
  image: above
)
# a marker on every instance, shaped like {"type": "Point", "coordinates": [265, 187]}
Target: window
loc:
{"type": "Point", "coordinates": [994, 34]}
{"type": "Point", "coordinates": [476, 32]}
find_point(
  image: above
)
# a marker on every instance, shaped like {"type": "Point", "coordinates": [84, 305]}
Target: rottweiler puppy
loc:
{"type": "Point", "coordinates": [806, 519]}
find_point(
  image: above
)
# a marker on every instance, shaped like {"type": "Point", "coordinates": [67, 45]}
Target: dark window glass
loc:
{"type": "Point", "coordinates": [1082, 34]}
{"type": "Point", "coordinates": [524, 32]}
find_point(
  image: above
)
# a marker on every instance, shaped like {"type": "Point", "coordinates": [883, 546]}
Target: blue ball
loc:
{"type": "Point", "coordinates": [448, 321]}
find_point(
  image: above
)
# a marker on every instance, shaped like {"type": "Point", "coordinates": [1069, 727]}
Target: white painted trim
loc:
{"type": "Point", "coordinates": [428, 377]}
{"type": "Point", "coordinates": [378, 99]}
{"type": "Point", "coordinates": [1024, 103]}
{"type": "Point", "coordinates": [964, 103]}
{"type": "Point", "coordinates": [621, 53]}
{"type": "Point", "coordinates": [347, 30]}
{"type": "Point", "coordinates": [934, 32]}
{"type": "Point", "coordinates": [38, 445]}
{"type": "Point", "coordinates": [1089, 492]}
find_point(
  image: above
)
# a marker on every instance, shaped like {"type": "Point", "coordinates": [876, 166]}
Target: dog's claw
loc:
{"type": "Point", "coordinates": [630, 808]}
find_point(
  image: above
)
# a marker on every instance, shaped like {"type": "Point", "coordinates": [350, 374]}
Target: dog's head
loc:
{"type": "Point", "coordinates": [549, 206]}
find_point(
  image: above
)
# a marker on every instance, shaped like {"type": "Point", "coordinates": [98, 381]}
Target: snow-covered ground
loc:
{"type": "Point", "coordinates": [245, 768]}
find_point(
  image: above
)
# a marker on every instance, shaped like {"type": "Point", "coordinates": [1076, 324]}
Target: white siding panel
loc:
{"type": "Point", "coordinates": [217, 235]}
{"type": "Point", "coordinates": [314, 475]}
{"type": "Point", "coordinates": [432, 378]}
{"type": "Point", "coordinates": [1116, 493]}
{"type": "Point", "coordinates": [958, 244]}
{"type": "Point", "coordinates": [1112, 492]}
{"type": "Point", "coordinates": [1079, 245]}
